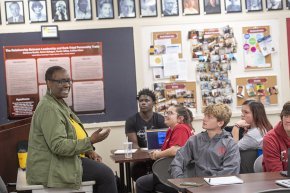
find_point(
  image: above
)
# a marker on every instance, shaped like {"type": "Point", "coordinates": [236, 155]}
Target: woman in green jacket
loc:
{"type": "Point", "coordinates": [60, 153]}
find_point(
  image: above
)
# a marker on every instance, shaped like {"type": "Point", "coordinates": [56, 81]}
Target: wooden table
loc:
{"type": "Point", "coordinates": [253, 182]}
{"type": "Point", "coordinates": [139, 155]}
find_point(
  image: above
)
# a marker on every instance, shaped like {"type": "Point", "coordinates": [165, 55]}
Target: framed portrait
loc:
{"type": "Point", "coordinates": [83, 9]}
{"type": "Point", "coordinates": [126, 8]}
{"type": "Point", "coordinates": [60, 10]}
{"type": "Point", "coordinates": [212, 7]}
{"type": "Point", "coordinates": [148, 8]}
{"type": "Point", "coordinates": [14, 12]}
{"type": "Point", "coordinates": [274, 5]}
{"type": "Point", "coordinates": [254, 5]}
{"type": "Point", "coordinates": [233, 6]}
{"type": "Point", "coordinates": [37, 11]}
{"type": "Point", "coordinates": [169, 8]}
{"type": "Point", "coordinates": [190, 7]}
{"type": "Point", "coordinates": [288, 4]}
{"type": "Point", "coordinates": [105, 9]}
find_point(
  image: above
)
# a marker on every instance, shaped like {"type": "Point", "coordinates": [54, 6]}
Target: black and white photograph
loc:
{"type": "Point", "coordinates": [60, 10]}
{"type": "Point", "coordinates": [274, 4]}
{"type": "Point", "coordinates": [14, 12]}
{"type": "Point", "coordinates": [233, 6]}
{"type": "Point", "coordinates": [126, 8]}
{"type": "Point", "coordinates": [169, 8]}
{"type": "Point", "coordinates": [254, 5]}
{"type": "Point", "coordinates": [190, 7]}
{"type": "Point", "coordinates": [83, 9]}
{"type": "Point", "coordinates": [148, 8]}
{"type": "Point", "coordinates": [105, 9]}
{"type": "Point", "coordinates": [37, 11]}
{"type": "Point", "coordinates": [212, 6]}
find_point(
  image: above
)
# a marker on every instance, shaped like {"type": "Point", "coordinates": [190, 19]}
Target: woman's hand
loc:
{"type": "Point", "coordinates": [94, 156]}
{"type": "Point", "coordinates": [98, 135]}
{"type": "Point", "coordinates": [154, 154]}
{"type": "Point", "coordinates": [243, 124]}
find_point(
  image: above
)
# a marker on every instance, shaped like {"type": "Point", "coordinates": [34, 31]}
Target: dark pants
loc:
{"type": "Point", "coordinates": [139, 169]}
{"type": "Point", "coordinates": [150, 183]}
{"type": "Point", "coordinates": [101, 174]}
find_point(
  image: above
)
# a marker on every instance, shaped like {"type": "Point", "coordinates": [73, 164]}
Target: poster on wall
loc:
{"type": "Point", "coordinates": [167, 94]}
{"type": "Point", "coordinates": [25, 68]}
{"type": "Point", "coordinates": [257, 46]}
{"type": "Point", "coordinates": [262, 88]}
{"type": "Point", "coordinates": [214, 49]}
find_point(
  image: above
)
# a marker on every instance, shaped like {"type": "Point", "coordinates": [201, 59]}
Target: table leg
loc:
{"type": "Point", "coordinates": [122, 178]}
{"type": "Point", "coordinates": [128, 177]}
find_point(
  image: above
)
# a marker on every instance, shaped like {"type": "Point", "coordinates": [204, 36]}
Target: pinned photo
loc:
{"type": "Point", "coordinates": [240, 91]}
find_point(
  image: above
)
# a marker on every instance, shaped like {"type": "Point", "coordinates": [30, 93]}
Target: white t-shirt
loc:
{"type": "Point", "coordinates": [253, 139]}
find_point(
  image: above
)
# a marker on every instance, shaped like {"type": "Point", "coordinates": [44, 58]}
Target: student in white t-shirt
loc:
{"type": "Point", "coordinates": [255, 123]}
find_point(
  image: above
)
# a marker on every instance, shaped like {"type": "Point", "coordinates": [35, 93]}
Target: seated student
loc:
{"type": "Point", "coordinates": [179, 119]}
{"type": "Point", "coordinates": [277, 142]}
{"type": "Point", "coordinates": [209, 153]}
{"type": "Point", "coordinates": [136, 125]}
{"type": "Point", "coordinates": [255, 124]}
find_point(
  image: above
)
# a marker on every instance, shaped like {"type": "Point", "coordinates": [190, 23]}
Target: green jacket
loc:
{"type": "Point", "coordinates": [53, 149]}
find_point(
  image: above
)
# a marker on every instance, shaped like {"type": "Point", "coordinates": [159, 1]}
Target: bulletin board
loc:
{"type": "Point", "coordinates": [183, 93]}
{"type": "Point", "coordinates": [119, 68]}
{"type": "Point", "coordinates": [252, 48]}
{"type": "Point", "coordinates": [174, 36]}
{"type": "Point", "coordinates": [259, 88]}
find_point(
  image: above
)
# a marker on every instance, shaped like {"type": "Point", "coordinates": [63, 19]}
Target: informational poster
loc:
{"type": "Point", "coordinates": [257, 51]}
{"type": "Point", "coordinates": [262, 88]}
{"type": "Point", "coordinates": [167, 94]}
{"type": "Point", "coordinates": [25, 68]}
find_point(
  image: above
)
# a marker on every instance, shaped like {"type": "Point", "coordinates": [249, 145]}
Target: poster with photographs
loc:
{"type": "Point", "coordinates": [105, 9]}
{"type": "Point", "coordinates": [169, 8]}
{"type": "Point", "coordinates": [215, 50]}
{"type": "Point", "coordinates": [233, 6]}
{"type": "Point", "coordinates": [274, 5]}
{"type": "Point", "coordinates": [126, 8]}
{"type": "Point", "coordinates": [262, 88]}
{"type": "Point", "coordinates": [212, 7]}
{"type": "Point", "coordinates": [190, 7]}
{"type": "Point", "coordinates": [83, 9]}
{"type": "Point", "coordinates": [148, 8]}
{"type": "Point", "coordinates": [37, 11]}
{"type": "Point", "coordinates": [60, 10]}
{"type": "Point", "coordinates": [183, 93]}
{"type": "Point", "coordinates": [14, 12]}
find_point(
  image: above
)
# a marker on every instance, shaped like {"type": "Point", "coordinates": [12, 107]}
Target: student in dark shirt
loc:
{"type": "Point", "coordinates": [137, 124]}
{"type": "Point", "coordinates": [212, 7]}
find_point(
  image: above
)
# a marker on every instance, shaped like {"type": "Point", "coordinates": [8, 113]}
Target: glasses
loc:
{"type": "Point", "coordinates": [62, 81]}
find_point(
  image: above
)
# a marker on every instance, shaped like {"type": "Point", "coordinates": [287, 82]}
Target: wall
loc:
{"type": "Point", "coordinates": [117, 134]}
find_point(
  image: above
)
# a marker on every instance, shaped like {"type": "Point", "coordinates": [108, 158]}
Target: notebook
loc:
{"type": "Point", "coordinates": [223, 180]}
{"type": "Point", "coordinates": [287, 173]}
{"type": "Point", "coordinates": [155, 138]}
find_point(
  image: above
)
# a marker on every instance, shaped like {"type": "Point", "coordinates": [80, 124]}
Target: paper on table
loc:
{"type": "Point", "coordinates": [223, 180]}
{"type": "Point", "coordinates": [121, 151]}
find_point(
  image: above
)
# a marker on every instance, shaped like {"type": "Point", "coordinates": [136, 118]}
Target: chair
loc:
{"type": "Point", "coordinates": [278, 190]}
{"type": "Point", "coordinates": [3, 188]}
{"type": "Point", "coordinates": [248, 158]}
{"type": "Point", "coordinates": [258, 167]}
{"type": "Point", "coordinates": [160, 169]}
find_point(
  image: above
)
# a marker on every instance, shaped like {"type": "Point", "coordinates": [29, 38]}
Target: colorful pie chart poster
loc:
{"type": "Point", "coordinates": [253, 56]}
